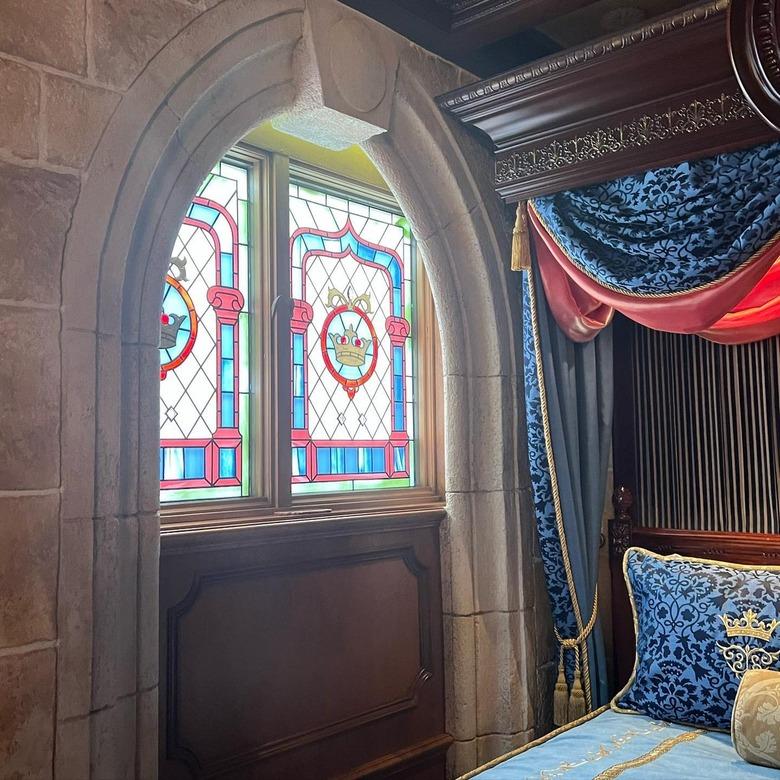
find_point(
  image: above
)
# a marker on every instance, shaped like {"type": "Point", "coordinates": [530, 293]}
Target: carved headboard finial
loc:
{"type": "Point", "coordinates": [620, 526]}
{"type": "Point", "coordinates": [623, 500]}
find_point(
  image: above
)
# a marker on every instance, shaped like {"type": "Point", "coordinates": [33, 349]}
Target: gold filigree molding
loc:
{"type": "Point", "coordinates": [644, 130]}
{"type": "Point", "coordinates": [592, 51]}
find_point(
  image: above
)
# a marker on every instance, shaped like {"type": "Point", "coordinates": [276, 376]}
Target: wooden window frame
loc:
{"type": "Point", "coordinates": [271, 498]}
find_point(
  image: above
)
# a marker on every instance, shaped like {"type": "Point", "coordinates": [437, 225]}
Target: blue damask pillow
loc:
{"type": "Point", "coordinates": [700, 625]}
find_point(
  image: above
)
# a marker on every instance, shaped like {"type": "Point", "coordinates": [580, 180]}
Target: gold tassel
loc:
{"type": "Point", "coordinates": [561, 697]}
{"type": "Point", "coordinates": [521, 242]}
{"type": "Point", "coordinates": [577, 706]}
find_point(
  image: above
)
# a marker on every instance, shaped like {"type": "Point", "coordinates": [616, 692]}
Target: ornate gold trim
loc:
{"type": "Point", "coordinates": [534, 743]}
{"type": "Point", "coordinates": [644, 130]}
{"type": "Point", "coordinates": [651, 755]}
{"type": "Point", "coordinates": [557, 498]}
{"type": "Point", "coordinates": [592, 51]}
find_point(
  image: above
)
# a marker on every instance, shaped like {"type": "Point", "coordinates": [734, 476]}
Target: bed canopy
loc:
{"type": "Point", "coordinates": [643, 186]}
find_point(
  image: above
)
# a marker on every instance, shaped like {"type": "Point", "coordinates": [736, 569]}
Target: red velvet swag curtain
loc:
{"type": "Point", "coordinates": [744, 307]}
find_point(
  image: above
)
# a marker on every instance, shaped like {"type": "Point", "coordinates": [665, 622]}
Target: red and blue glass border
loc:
{"type": "Point", "coordinates": [214, 462]}
{"type": "Point", "coordinates": [334, 460]}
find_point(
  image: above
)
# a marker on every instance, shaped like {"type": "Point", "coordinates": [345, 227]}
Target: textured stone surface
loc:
{"type": "Point", "coordinates": [113, 742]}
{"type": "Point", "coordinates": [504, 642]}
{"type": "Point", "coordinates": [128, 33]}
{"type": "Point", "coordinates": [26, 706]}
{"type": "Point", "coordinates": [492, 746]}
{"type": "Point", "coordinates": [115, 610]}
{"type": "Point", "coordinates": [461, 757]}
{"type": "Point", "coordinates": [457, 555]}
{"type": "Point", "coordinates": [28, 569]}
{"type": "Point", "coordinates": [51, 32]}
{"type": "Point", "coordinates": [29, 401]}
{"type": "Point", "coordinates": [71, 758]}
{"type": "Point", "coordinates": [74, 619]}
{"type": "Point", "coordinates": [35, 211]}
{"type": "Point", "coordinates": [460, 663]}
{"type": "Point", "coordinates": [20, 90]}
{"type": "Point", "coordinates": [75, 118]}
{"type": "Point", "coordinates": [78, 424]}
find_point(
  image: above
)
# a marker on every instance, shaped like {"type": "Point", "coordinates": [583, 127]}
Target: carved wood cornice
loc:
{"type": "Point", "coordinates": [755, 54]}
{"type": "Point", "coordinates": [655, 95]}
{"type": "Point", "coordinates": [582, 54]}
{"type": "Point", "coordinates": [642, 131]}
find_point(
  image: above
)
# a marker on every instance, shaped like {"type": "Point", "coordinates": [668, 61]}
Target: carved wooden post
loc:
{"type": "Point", "coordinates": [622, 619]}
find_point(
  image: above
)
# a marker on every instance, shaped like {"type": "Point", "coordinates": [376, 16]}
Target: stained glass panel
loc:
{"type": "Point", "coordinates": [352, 278]}
{"type": "Point", "coordinates": [204, 371]}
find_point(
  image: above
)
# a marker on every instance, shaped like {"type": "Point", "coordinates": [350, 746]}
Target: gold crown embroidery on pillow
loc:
{"type": "Point", "coordinates": [741, 657]}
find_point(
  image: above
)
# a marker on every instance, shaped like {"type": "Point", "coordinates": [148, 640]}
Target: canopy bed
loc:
{"type": "Point", "coordinates": [645, 169]}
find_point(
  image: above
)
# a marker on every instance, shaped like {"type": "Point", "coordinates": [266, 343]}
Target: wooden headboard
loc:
{"type": "Point", "coordinates": [625, 532]}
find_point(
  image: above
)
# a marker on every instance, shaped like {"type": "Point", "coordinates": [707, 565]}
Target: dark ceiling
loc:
{"type": "Point", "coordinates": [488, 37]}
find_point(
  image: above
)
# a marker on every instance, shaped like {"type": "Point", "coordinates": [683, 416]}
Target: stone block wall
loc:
{"type": "Point", "coordinates": [105, 104]}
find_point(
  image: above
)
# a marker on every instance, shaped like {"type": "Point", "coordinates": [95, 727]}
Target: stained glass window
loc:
{"type": "Point", "coordinates": [352, 278]}
{"type": "Point", "coordinates": [204, 345]}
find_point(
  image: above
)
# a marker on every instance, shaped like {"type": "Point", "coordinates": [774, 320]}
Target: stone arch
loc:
{"type": "Point", "coordinates": [237, 64]}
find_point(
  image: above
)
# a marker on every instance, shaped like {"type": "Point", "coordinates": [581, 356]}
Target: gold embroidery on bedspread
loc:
{"type": "Point", "coordinates": [615, 743]}
{"type": "Point", "coordinates": [651, 755]}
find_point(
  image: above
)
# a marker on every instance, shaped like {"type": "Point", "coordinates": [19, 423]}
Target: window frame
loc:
{"type": "Point", "coordinates": [270, 424]}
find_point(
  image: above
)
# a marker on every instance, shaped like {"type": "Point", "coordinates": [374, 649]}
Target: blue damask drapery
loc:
{"type": "Point", "coordinates": [691, 248]}
{"type": "Point", "coordinates": [672, 229]}
{"type": "Point", "coordinates": [568, 401]}
{"type": "Point", "coordinates": [688, 248]}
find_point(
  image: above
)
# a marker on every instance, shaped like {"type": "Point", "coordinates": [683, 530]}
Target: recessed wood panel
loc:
{"type": "Point", "coordinates": [302, 657]}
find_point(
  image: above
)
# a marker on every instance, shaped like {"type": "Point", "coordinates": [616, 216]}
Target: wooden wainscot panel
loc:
{"type": "Point", "coordinates": [303, 650]}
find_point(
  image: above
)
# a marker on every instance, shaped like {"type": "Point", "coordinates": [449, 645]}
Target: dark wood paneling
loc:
{"type": "Point", "coordinates": [303, 650]}
{"type": "Point", "coordinates": [656, 95]}
{"type": "Point", "coordinates": [755, 53]}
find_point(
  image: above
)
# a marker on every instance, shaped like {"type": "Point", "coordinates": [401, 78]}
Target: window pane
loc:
{"type": "Point", "coordinates": [352, 278]}
{"type": "Point", "coordinates": [204, 447]}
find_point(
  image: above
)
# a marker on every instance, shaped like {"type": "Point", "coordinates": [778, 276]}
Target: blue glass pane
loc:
{"type": "Point", "coordinates": [299, 461]}
{"type": "Point", "coordinates": [378, 458]}
{"type": "Point", "coordinates": [298, 349]}
{"type": "Point", "coordinates": [298, 381]}
{"type": "Point", "coordinates": [226, 270]}
{"type": "Point", "coordinates": [398, 388]}
{"type": "Point", "coordinates": [227, 410]}
{"type": "Point", "coordinates": [366, 252]}
{"type": "Point", "coordinates": [162, 450]}
{"type": "Point", "coordinates": [173, 467]}
{"type": "Point", "coordinates": [337, 460]}
{"type": "Point", "coordinates": [323, 460]}
{"type": "Point", "coordinates": [298, 415]}
{"type": "Point", "coordinates": [227, 341]}
{"type": "Point", "coordinates": [227, 463]}
{"type": "Point", "coordinates": [194, 463]}
{"type": "Point", "coordinates": [398, 360]}
{"type": "Point", "coordinates": [351, 457]}
{"type": "Point", "coordinates": [395, 273]}
{"type": "Point", "coordinates": [399, 458]}
{"type": "Point", "coordinates": [397, 301]}
{"type": "Point", "coordinates": [227, 374]}
{"type": "Point", "coordinates": [398, 417]}
{"type": "Point", "coordinates": [203, 213]}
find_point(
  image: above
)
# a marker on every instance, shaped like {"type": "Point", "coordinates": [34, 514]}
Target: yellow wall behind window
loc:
{"type": "Point", "coordinates": [353, 162]}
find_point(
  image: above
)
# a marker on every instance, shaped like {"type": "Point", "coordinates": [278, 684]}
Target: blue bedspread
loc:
{"type": "Point", "coordinates": [615, 744]}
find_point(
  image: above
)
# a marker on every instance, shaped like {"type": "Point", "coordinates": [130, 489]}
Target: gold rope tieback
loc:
{"type": "Point", "coordinates": [521, 240]}
{"type": "Point", "coordinates": [569, 704]}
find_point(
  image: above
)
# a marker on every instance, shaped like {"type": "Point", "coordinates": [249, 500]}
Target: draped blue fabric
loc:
{"type": "Point", "coordinates": [577, 408]}
{"type": "Point", "coordinates": [672, 229]}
